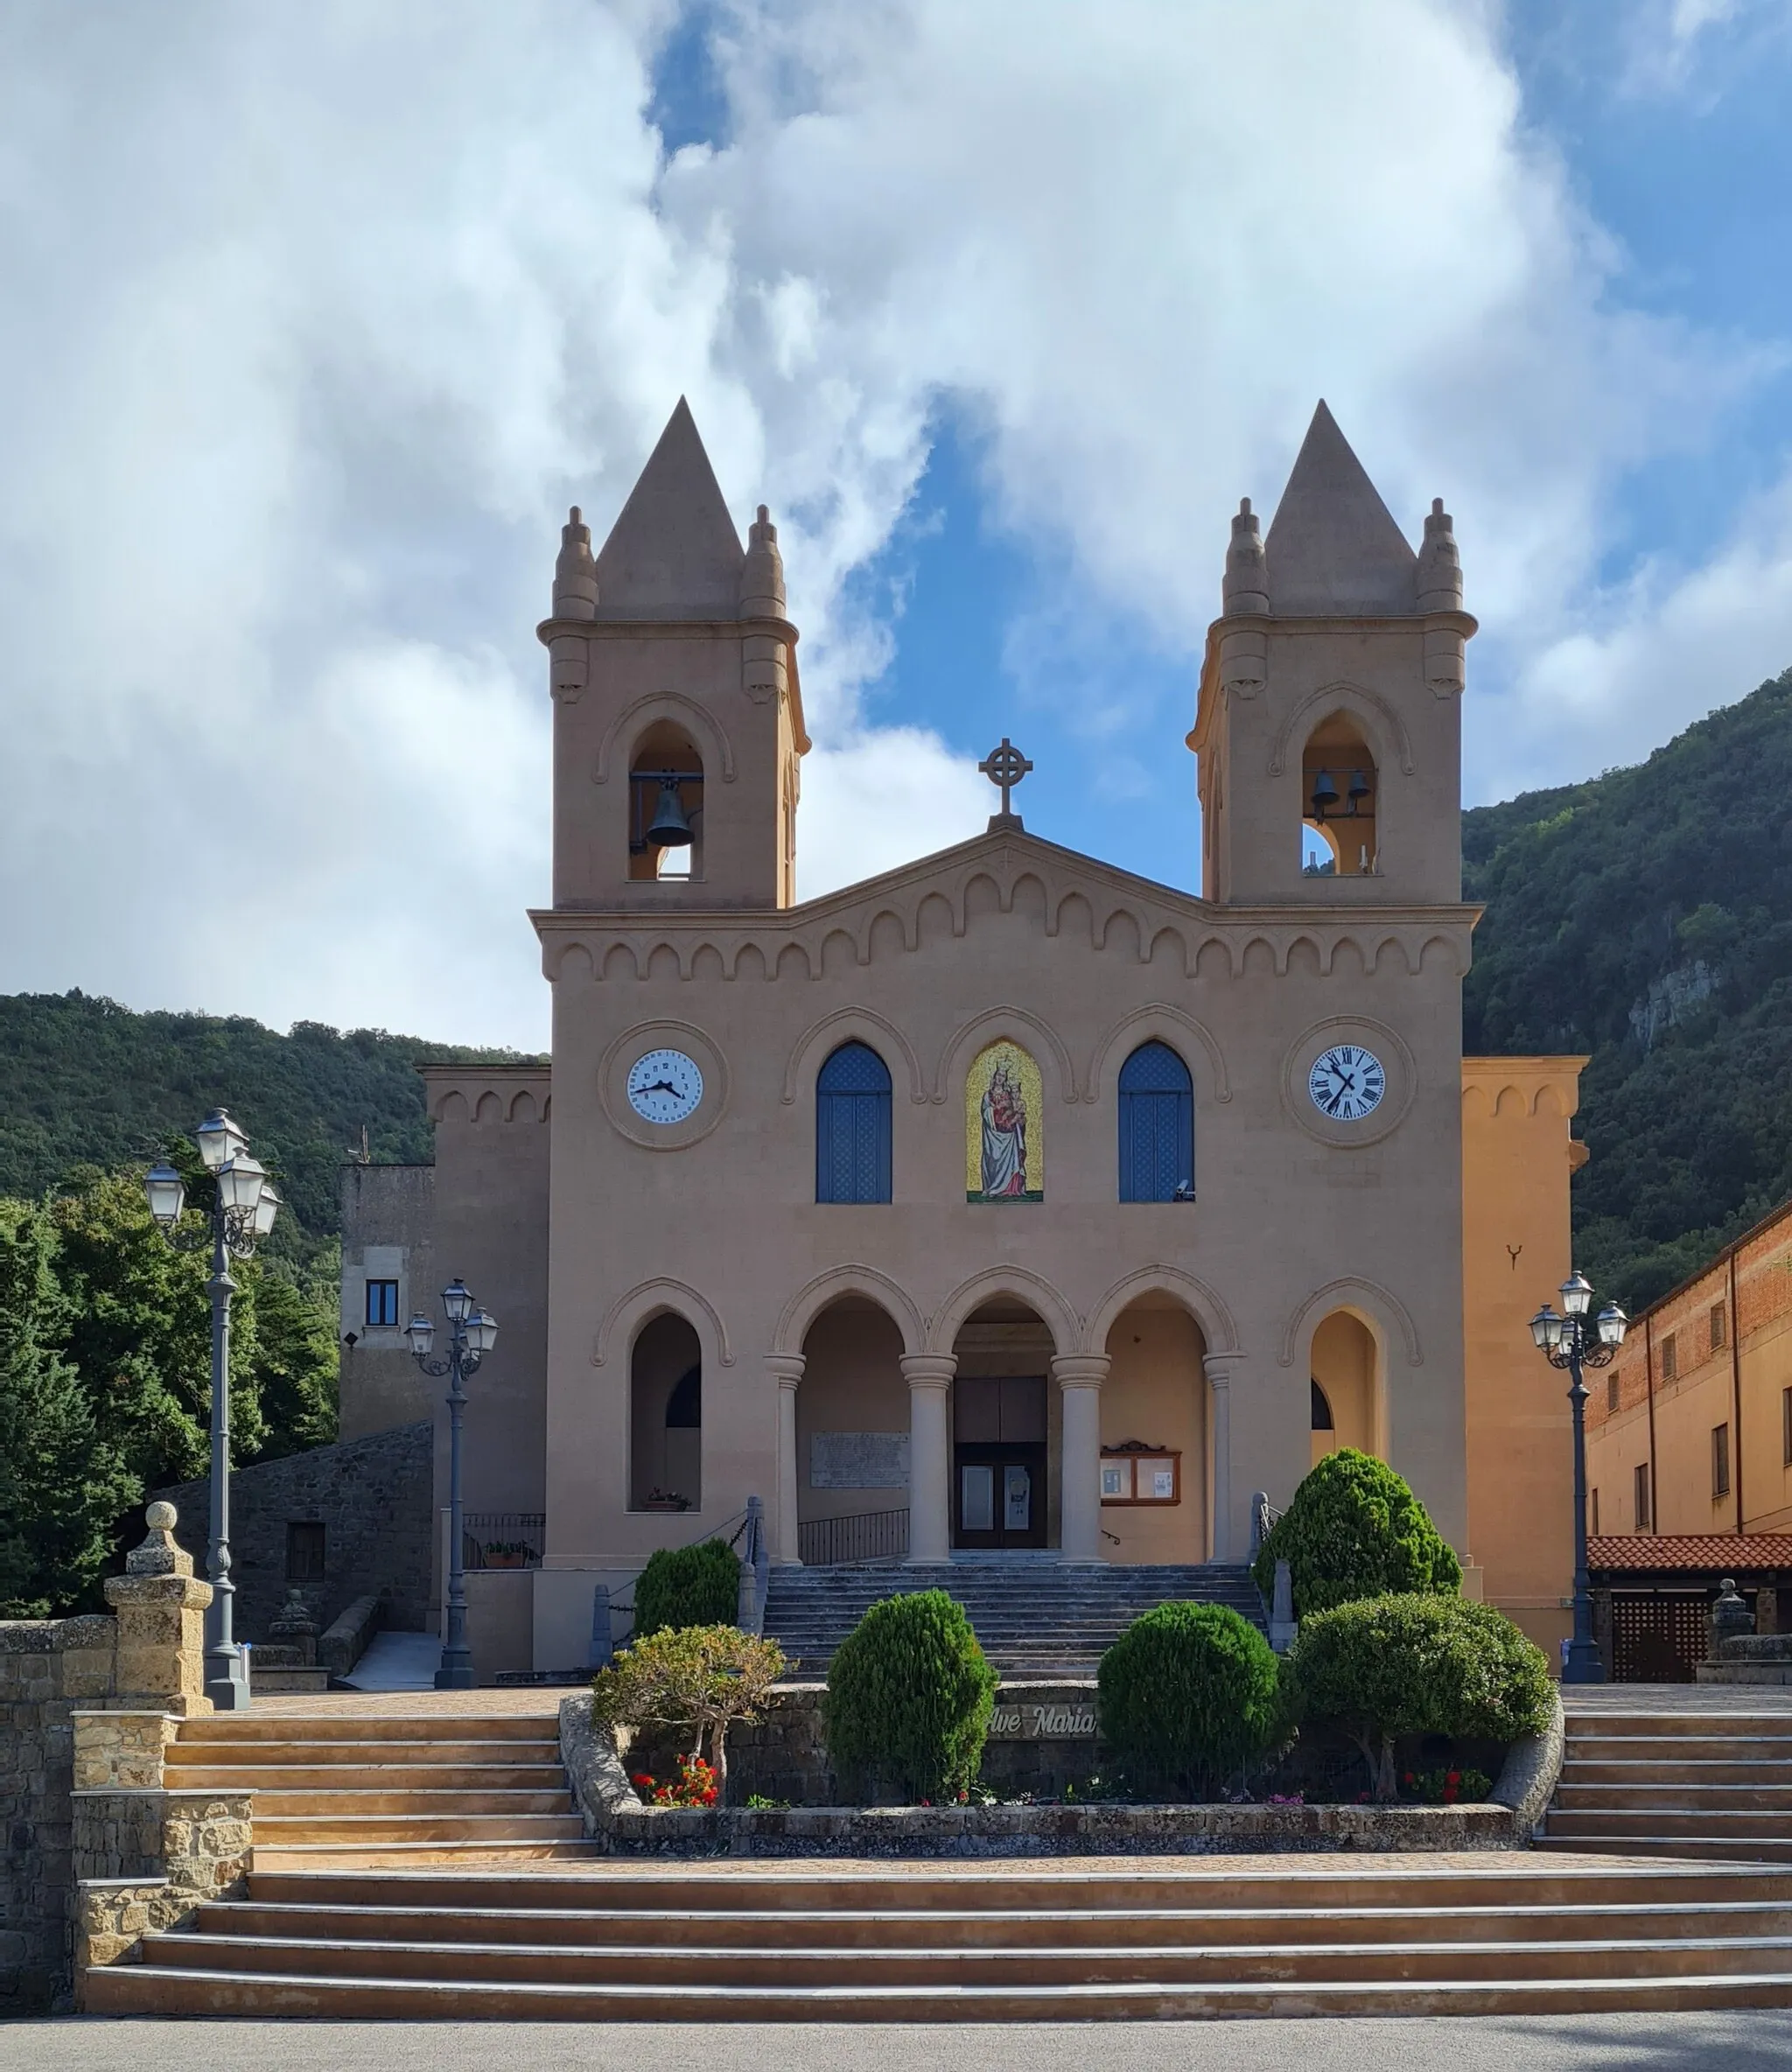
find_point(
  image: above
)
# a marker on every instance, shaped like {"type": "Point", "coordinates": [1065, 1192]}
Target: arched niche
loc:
{"type": "Point", "coordinates": [665, 1421]}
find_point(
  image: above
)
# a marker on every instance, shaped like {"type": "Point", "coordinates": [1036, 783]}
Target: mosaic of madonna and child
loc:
{"type": "Point", "coordinates": [1004, 1149]}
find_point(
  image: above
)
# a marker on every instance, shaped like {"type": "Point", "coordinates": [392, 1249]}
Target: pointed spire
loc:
{"type": "Point", "coordinates": [673, 553]}
{"type": "Point", "coordinates": [1247, 585]}
{"type": "Point", "coordinates": [575, 572]}
{"type": "Point", "coordinates": [1440, 563]}
{"type": "Point", "coordinates": [762, 574]}
{"type": "Point", "coordinates": [1333, 547]}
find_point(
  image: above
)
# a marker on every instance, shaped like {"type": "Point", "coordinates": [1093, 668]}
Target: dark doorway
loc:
{"type": "Point", "coordinates": [998, 1461]}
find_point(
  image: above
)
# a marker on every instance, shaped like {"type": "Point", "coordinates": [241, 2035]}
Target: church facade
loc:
{"type": "Point", "coordinates": [1006, 1201]}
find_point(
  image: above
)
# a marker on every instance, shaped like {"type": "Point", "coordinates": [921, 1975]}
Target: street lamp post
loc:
{"type": "Point", "coordinates": [472, 1335]}
{"type": "Point", "coordinates": [244, 1205]}
{"type": "Point", "coordinates": [1574, 1340]}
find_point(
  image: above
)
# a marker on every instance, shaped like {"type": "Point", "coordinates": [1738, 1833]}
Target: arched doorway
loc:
{"type": "Point", "coordinates": [666, 1417]}
{"type": "Point", "coordinates": [1006, 1431]}
{"type": "Point", "coordinates": [1156, 1436]}
{"type": "Point", "coordinates": [852, 1438]}
{"type": "Point", "coordinates": [1345, 1367]}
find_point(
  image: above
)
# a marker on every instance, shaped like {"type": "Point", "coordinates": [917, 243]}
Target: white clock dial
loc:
{"type": "Point", "coordinates": [665, 1086]}
{"type": "Point", "coordinates": [1347, 1082]}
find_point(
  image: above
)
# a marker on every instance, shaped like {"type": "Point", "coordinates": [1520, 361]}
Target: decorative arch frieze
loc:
{"type": "Point", "coordinates": [625, 1317]}
{"type": "Point", "coordinates": [697, 720]}
{"type": "Point", "coordinates": [814, 1297]}
{"type": "Point", "coordinates": [1181, 1032]}
{"type": "Point", "coordinates": [1385, 727]}
{"type": "Point", "coordinates": [1023, 1285]}
{"type": "Point", "coordinates": [1201, 1302]}
{"type": "Point", "coordinates": [823, 1036]}
{"type": "Point", "coordinates": [982, 1029]}
{"type": "Point", "coordinates": [1384, 1310]}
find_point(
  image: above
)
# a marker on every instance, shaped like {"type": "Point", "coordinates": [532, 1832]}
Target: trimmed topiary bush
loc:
{"type": "Point", "coordinates": [909, 1702]}
{"type": "Point", "coordinates": [1189, 1697]}
{"type": "Point", "coordinates": [1355, 1529]}
{"type": "Point", "coordinates": [697, 1586]}
{"type": "Point", "coordinates": [1388, 1666]}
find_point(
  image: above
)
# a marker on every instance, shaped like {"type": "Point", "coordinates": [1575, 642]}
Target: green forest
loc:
{"type": "Point", "coordinates": [1644, 917]}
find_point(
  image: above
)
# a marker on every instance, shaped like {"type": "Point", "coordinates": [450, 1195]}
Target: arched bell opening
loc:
{"type": "Point", "coordinates": [666, 1417]}
{"type": "Point", "coordinates": [1340, 794]}
{"type": "Point", "coordinates": [1156, 1425]}
{"type": "Point", "coordinates": [1346, 1365]}
{"type": "Point", "coordinates": [852, 1437]}
{"type": "Point", "coordinates": [665, 805]}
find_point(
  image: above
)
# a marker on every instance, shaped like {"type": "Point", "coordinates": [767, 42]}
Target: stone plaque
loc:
{"type": "Point", "coordinates": [1069, 1719]}
{"type": "Point", "coordinates": [858, 1460]}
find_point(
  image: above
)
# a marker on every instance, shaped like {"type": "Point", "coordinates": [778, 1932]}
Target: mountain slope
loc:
{"type": "Point", "coordinates": [1645, 917]}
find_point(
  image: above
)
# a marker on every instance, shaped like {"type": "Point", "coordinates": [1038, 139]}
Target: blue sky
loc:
{"type": "Point", "coordinates": [319, 319]}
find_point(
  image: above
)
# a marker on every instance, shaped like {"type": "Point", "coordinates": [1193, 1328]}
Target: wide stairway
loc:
{"type": "Point", "coordinates": [1039, 1617]}
{"type": "Point", "coordinates": [1715, 1784]}
{"type": "Point", "coordinates": [339, 1787]}
{"type": "Point", "coordinates": [986, 1942]}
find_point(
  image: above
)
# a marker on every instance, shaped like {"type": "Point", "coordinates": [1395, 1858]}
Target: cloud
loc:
{"type": "Point", "coordinates": [319, 317]}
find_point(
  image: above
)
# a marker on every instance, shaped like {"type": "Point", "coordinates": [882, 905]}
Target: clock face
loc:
{"type": "Point", "coordinates": [664, 1086]}
{"type": "Point", "coordinates": [1347, 1082]}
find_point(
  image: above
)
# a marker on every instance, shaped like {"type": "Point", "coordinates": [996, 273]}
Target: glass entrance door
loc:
{"type": "Point", "coordinates": [998, 1497]}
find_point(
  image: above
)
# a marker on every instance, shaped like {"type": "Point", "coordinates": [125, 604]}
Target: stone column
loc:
{"type": "Point", "coordinates": [929, 1376]}
{"type": "Point", "coordinates": [1219, 1367]}
{"type": "Point", "coordinates": [1079, 1376]}
{"type": "Point", "coordinates": [786, 1369]}
{"type": "Point", "coordinates": [161, 1623]}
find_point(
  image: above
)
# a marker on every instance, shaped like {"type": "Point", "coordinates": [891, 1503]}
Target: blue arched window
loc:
{"type": "Point", "coordinates": [1157, 1126]}
{"type": "Point", "coordinates": [852, 1126]}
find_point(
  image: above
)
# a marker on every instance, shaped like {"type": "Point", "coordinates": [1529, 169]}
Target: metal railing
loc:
{"type": "Point", "coordinates": [1263, 1514]}
{"type": "Point", "coordinates": [503, 1539]}
{"type": "Point", "coordinates": [865, 1535]}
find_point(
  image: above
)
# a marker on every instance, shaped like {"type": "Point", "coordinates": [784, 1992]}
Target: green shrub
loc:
{"type": "Point", "coordinates": [1355, 1529]}
{"type": "Point", "coordinates": [1388, 1666]}
{"type": "Point", "coordinates": [1189, 1697]}
{"type": "Point", "coordinates": [699, 1677]}
{"type": "Point", "coordinates": [697, 1586]}
{"type": "Point", "coordinates": [909, 1699]}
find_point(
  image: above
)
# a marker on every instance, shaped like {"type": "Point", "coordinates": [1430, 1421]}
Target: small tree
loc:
{"type": "Point", "coordinates": [699, 1677]}
{"type": "Point", "coordinates": [695, 1585]}
{"type": "Point", "coordinates": [1388, 1666]}
{"type": "Point", "coordinates": [909, 1699]}
{"type": "Point", "coordinates": [1190, 1695]}
{"type": "Point", "coordinates": [1355, 1529]}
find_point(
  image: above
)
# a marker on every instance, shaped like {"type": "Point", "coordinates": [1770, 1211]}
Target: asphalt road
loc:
{"type": "Point", "coordinates": [1620, 2042]}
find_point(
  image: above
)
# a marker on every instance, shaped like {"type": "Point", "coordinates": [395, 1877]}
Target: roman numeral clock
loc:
{"type": "Point", "coordinates": [1347, 1082]}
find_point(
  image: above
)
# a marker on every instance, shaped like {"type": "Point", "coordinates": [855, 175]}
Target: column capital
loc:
{"type": "Point", "coordinates": [929, 1370]}
{"type": "Point", "coordinates": [1218, 1366]}
{"type": "Point", "coordinates": [787, 1367]}
{"type": "Point", "coordinates": [1080, 1370]}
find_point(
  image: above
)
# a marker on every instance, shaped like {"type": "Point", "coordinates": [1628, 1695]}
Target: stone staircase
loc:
{"type": "Point", "coordinates": [372, 1788]}
{"type": "Point", "coordinates": [985, 1942]}
{"type": "Point", "coordinates": [1037, 1617]}
{"type": "Point", "coordinates": [1713, 1784]}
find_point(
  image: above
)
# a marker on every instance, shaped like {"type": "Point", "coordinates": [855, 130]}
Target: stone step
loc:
{"type": "Point", "coordinates": [386, 1729]}
{"type": "Point", "coordinates": [302, 1775]}
{"type": "Point", "coordinates": [1689, 1725]}
{"type": "Point", "coordinates": [1670, 1796]}
{"type": "Point", "coordinates": [1690, 1771]}
{"type": "Point", "coordinates": [1706, 1849]}
{"type": "Point", "coordinates": [276, 1830]}
{"type": "Point", "coordinates": [1746, 1822]}
{"type": "Point", "coordinates": [309, 1858]}
{"type": "Point", "coordinates": [312, 1804]}
{"type": "Point", "coordinates": [415, 1753]}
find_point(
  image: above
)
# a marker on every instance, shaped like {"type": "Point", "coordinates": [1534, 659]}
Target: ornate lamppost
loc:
{"type": "Point", "coordinates": [1574, 1341]}
{"type": "Point", "coordinates": [242, 1212]}
{"type": "Point", "coordinates": [471, 1334]}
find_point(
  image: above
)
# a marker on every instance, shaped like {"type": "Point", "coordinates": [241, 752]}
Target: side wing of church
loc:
{"type": "Point", "coordinates": [1006, 1203]}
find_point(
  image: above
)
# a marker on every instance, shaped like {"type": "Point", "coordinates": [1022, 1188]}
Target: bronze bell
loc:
{"type": "Point", "coordinates": [670, 829]}
{"type": "Point", "coordinates": [1359, 789]}
{"type": "Point", "coordinates": [1325, 795]}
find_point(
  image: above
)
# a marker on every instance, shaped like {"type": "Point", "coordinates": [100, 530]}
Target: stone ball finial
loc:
{"type": "Point", "coordinates": [160, 1554]}
{"type": "Point", "coordinates": [161, 1516]}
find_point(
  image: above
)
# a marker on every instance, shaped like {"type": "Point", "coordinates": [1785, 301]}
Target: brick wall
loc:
{"type": "Point", "coordinates": [374, 1497]}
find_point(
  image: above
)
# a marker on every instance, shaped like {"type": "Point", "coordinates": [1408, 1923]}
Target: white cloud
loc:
{"type": "Point", "coordinates": [319, 318]}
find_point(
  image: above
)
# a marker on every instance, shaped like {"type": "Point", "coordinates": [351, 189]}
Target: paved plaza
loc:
{"type": "Point", "coordinates": [1611, 2042]}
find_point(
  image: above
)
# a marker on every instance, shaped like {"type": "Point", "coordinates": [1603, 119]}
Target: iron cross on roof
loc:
{"type": "Point", "coordinates": [1004, 767]}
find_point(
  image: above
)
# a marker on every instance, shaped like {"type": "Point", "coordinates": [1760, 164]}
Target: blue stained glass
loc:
{"type": "Point", "coordinates": [1157, 1125]}
{"type": "Point", "coordinates": [852, 1126]}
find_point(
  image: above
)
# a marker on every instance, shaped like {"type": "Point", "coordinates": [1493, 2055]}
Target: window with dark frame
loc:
{"type": "Point", "coordinates": [1593, 1499]}
{"type": "Point", "coordinates": [1719, 1326]}
{"type": "Point", "coordinates": [852, 1126]}
{"type": "Point", "coordinates": [304, 1550]}
{"type": "Point", "coordinates": [1670, 1359]}
{"type": "Point", "coordinates": [1721, 1461]}
{"type": "Point", "coordinates": [1642, 1500]}
{"type": "Point", "coordinates": [383, 1302]}
{"type": "Point", "coordinates": [1157, 1126]}
{"type": "Point", "coordinates": [1611, 1390]}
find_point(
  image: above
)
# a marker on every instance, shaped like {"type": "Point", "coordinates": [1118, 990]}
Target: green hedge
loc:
{"type": "Point", "coordinates": [1189, 1697]}
{"type": "Point", "coordinates": [1355, 1529]}
{"type": "Point", "coordinates": [696, 1585]}
{"type": "Point", "coordinates": [1416, 1665]}
{"type": "Point", "coordinates": [909, 1701]}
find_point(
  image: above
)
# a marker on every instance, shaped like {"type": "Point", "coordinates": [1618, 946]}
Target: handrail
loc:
{"type": "Point", "coordinates": [1263, 1515]}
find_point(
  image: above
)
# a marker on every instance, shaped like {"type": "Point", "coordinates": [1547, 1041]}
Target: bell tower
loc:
{"type": "Point", "coordinates": [677, 710]}
{"type": "Point", "coordinates": [1329, 727]}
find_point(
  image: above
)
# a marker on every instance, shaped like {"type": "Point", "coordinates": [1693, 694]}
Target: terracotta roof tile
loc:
{"type": "Point", "coordinates": [1715, 1553]}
